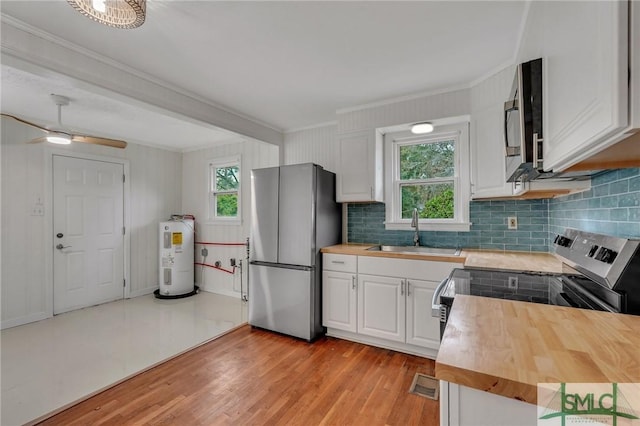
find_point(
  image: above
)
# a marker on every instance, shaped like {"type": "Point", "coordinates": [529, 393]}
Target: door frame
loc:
{"type": "Point", "coordinates": [48, 225]}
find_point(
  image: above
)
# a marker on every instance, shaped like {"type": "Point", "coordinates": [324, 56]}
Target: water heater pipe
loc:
{"type": "Point", "coordinates": [228, 271]}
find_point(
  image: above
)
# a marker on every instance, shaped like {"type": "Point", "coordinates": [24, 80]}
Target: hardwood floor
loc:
{"type": "Point", "coordinates": [251, 376]}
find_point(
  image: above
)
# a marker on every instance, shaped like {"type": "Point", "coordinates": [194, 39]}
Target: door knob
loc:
{"type": "Point", "coordinates": [60, 247]}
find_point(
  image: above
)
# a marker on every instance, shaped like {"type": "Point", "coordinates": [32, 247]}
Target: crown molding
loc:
{"type": "Point", "coordinates": [311, 127]}
{"type": "Point", "coordinates": [405, 98]}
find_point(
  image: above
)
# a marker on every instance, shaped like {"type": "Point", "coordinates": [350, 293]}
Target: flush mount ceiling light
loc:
{"type": "Point", "coordinates": [114, 13]}
{"type": "Point", "coordinates": [421, 128]}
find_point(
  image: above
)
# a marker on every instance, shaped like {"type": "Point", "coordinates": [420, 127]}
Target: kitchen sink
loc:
{"type": "Point", "coordinates": [416, 250]}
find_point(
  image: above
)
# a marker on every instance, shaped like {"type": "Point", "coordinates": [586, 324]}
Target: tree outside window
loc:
{"type": "Point", "coordinates": [225, 190]}
{"type": "Point", "coordinates": [427, 179]}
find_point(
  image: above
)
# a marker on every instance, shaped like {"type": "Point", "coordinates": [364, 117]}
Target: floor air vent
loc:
{"type": "Point", "coordinates": [426, 386]}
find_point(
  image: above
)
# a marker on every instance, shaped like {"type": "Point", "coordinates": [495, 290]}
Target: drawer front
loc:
{"type": "Point", "coordinates": [340, 262]}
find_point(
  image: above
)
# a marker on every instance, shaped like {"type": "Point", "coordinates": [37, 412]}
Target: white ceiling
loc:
{"type": "Point", "coordinates": [289, 64]}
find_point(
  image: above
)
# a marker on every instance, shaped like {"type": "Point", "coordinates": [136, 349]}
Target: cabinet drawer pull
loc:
{"type": "Point", "coordinates": [338, 261]}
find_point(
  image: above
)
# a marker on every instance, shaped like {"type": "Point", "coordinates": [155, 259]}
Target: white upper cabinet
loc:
{"type": "Point", "coordinates": [487, 136]}
{"type": "Point", "coordinates": [584, 46]}
{"type": "Point", "coordinates": [360, 167]}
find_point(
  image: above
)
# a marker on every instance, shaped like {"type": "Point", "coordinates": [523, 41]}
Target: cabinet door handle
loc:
{"type": "Point", "coordinates": [371, 188]}
{"type": "Point", "coordinates": [402, 288]}
{"type": "Point", "coordinates": [353, 282]}
{"type": "Point", "coordinates": [408, 288]}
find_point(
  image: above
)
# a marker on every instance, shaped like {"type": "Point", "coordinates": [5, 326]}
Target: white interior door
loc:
{"type": "Point", "coordinates": [88, 220]}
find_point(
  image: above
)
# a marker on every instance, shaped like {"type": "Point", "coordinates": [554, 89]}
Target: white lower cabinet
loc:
{"type": "Point", "coordinates": [422, 328]}
{"type": "Point", "coordinates": [384, 302]}
{"type": "Point", "coordinates": [398, 309]}
{"type": "Point", "coordinates": [381, 307]}
{"type": "Point", "coordinates": [464, 406]}
{"type": "Point", "coordinates": [339, 300]}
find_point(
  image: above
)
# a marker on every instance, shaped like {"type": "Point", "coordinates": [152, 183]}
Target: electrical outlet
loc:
{"type": "Point", "coordinates": [513, 283]}
{"type": "Point", "coordinates": [512, 222]}
{"type": "Point", "coordinates": [37, 210]}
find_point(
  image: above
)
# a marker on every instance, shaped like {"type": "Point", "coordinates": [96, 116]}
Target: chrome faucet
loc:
{"type": "Point", "coordinates": [414, 224]}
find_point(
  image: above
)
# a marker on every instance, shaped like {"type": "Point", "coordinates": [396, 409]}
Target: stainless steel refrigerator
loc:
{"type": "Point", "coordinates": [293, 215]}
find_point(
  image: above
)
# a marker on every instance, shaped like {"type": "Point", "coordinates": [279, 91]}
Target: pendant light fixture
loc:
{"type": "Point", "coordinates": [114, 13]}
{"type": "Point", "coordinates": [422, 128]}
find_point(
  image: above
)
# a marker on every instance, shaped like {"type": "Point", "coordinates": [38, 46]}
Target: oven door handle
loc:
{"type": "Point", "coordinates": [435, 300]}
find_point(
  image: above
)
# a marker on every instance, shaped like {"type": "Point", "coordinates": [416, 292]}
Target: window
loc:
{"type": "Point", "coordinates": [224, 190]}
{"type": "Point", "coordinates": [428, 173]}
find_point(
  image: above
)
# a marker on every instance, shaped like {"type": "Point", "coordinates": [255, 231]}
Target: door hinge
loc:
{"type": "Point", "coordinates": [124, 282]}
{"type": "Point", "coordinates": [124, 230]}
{"type": "Point", "coordinates": [123, 178]}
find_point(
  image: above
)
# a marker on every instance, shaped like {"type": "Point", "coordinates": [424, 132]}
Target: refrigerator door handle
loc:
{"type": "Point", "coordinates": [282, 265]}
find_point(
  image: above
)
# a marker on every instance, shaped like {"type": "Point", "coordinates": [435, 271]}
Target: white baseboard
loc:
{"type": "Point", "coordinates": [14, 322]}
{"type": "Point", "coordinates": [382, 343]}
{"type": "Point", "coordinates": [211, 289]}
{"type": "Point", "coordinates": [141, 292]}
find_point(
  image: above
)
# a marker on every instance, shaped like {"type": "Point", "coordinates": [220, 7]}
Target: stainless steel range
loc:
{"type": "Point", "coordinates": [608, 278]}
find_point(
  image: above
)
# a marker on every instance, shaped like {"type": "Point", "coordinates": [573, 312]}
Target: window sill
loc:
{"type": "Point", "coordinates": [449, 227]}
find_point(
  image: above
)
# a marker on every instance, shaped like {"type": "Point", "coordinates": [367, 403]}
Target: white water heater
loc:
{"type": "Point", "coordinates": [176, 257]}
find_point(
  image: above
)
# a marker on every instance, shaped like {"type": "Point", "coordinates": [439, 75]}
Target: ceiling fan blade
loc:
{"type": "Point", "coordinates": [114, 143]}
{"type": "Point", "coordinates": [38, 140]}
{"type": "Point", "coordinates": [37, 126]}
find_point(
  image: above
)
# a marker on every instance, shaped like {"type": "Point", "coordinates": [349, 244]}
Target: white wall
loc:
{"type": "Point", "coordinates": [195, 170]}
{"type": "Point", "coordinates": [429, 107]}
{"type": "Point", "coordinates": [317, 145]}
{"type": "Point", "coordinates": [155, 179]}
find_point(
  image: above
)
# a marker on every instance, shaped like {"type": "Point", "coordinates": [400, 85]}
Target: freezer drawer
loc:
{"type": "Point", "coordinates": [282, 300]}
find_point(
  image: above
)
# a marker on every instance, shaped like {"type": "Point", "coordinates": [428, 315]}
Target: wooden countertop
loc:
{"type": "Point", "coordinates": [507, 347]}
{"type": "Point", "coordinates": [514, 260]}
{"type": "Point", "coordinates": [361, 250]}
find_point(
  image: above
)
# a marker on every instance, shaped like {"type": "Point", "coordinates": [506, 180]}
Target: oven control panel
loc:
{"type": "Point", "coordinates": [588, 248]}
{"type": "Point", "coordinates": [606, 255]}
{"type": "Point", "coordinates": [562, 241]}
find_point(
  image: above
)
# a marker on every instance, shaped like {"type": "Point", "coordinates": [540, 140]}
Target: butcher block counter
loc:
{"type": "Point", "coordinates": [514, 260]}
{"type": "Point", "coordinates": [507, 347]}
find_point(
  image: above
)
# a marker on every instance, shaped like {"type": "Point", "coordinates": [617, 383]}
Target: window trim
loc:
{"type": "Point", "coordinates": [392, 142]}
{"type": "Point", "coordinates": [213, 164]}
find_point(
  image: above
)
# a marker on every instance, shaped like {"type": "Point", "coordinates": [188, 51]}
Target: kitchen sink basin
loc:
{"type": "Point", "coordinates": [416, 250]}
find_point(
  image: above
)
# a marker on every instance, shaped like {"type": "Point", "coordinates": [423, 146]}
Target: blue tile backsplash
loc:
{"type": "Point", "coordinates": [611, 206]}
{"type": "Point", "coordinates": [488, 229]}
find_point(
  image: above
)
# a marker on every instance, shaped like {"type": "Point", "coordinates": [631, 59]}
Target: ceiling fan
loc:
{"type": "Point", "coordinates": [62, 135]}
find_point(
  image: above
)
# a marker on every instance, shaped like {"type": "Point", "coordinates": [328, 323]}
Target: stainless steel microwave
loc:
{"type": "Point", "coordinates": [523, 124]}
